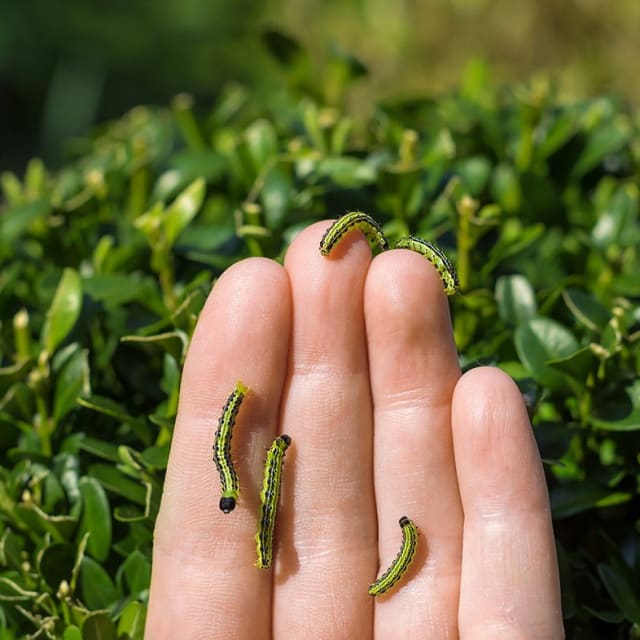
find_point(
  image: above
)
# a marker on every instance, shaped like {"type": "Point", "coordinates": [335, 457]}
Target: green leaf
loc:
{"type": "Point", "coordinates": [98, 626]}
{"type": "Point", "coordinates": [72, 633]}
{"type": "Point", "coordinates": [475, 172]}
{"type": "Point", "coordinates": [107, 406]}
{"type": "Point", "coordinates": [623, 592]}
{"type": "Point", "coordinates": [516, 298]}
{"type": "Point", "coordinates": [261, 144]}
{"type": "Point", "coordinates": [578, 365]}
{"type": "Point", "coordinates": [602, 142]}
{"type": "Point", "coordinates": [117, 289]}
{"type": "Point", "coordinates": [71, 383]}
{"type": "Point", "coordinates": [618, 224]}
{"type": "Point", "coordinates": [116, 482]}
{"type": "Point", "coordinates": [505, 188]}
{"type": "Point", "coordinates": [571, 498]}
{"type": "Point", "coordinates": [15, 221]}
{"type": "Point", "coordinates": [156, 457]}
{"type": "Point", "coordinates": [95, 519]}
{"type": "Point", "coordinates": [539, 340]}
{"type": "Point", "coordinates": [96, 587]}
{"type": "Point", "coordinates": [586, 309]}
{"type": "Point", "coordinates": [132, 622]}
{"type": "Point", "coordinates": [346, 172]}
{"type": "Point", "coordinates": [99, 448]}
{"type": "Point", "coordinates": [276, 196]}
{"type": "Point", "coordinates": [64, 310]}
{"type": "Point", "coordinates": [183, 210]}
{"type": "Point", "coordinates": [135, 572]}
{"type": "Point", "coordinates": [557, 133]}
{"type": "Point", "coordinates": [513, 240]}
{"type": "Point", "coordinates": [620, 414]}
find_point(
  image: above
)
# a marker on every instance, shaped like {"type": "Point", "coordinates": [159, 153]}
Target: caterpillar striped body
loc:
{"type": "Point", "coordinates": [436, 256]}
{"type": "Point", "coordinates": [401, 562]}
{"type": "Point", "coordinates": [269, 497]}
{"type": "Point", "coordinates": [222, 448]}
{"type": "Point", "coordinates": [353, 220]}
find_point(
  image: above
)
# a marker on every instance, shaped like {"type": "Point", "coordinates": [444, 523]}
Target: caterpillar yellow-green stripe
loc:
{"type": "Point", "coordinates": [222, 448]}
{"type": "Point", "coordinates": [269, 497]}
{"type": "Point", "coordinates": [353, 220]}
{"type": "Point", "coordinates": [436, 256]}
{"type": "Point", "coordinates": [401, 562]}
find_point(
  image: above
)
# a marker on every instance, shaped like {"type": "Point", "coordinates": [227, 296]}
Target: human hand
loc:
{"type": "Point", "coordinates": [354, 358]}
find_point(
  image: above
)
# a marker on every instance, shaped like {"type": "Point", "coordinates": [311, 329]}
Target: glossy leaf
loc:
{"type": "Point", "coordinates": [71, 383]}
{"type": "Point", "coordinates": [623, 592]}
{"type": "Point", "coordinates": [586, 309]}
{"type": "Point", "coordinates": [539, 340]}
{"type": "Point", "coordinates": [132, 622]}
{"type": "Point", "coordinates": [516, 298]}
{"type": "Point", "coordinates": [72, 633]}
{"type": "Point", "coordinates": [64, 310]}
{"type": "Point", "coordinates": [571, 498]}
{"type": "Point", "coordinates": [116, 482]}
{"type": "Point", "coordinates": [96, 587]}
{"type": "Point", "coordinates": [135, 573]}
{"type": "Point", "coordinates": [182, 210]}
{"type": "Point", "coordinates": [98, 626]}
{"type": "Point", "coordinates": [95, 519]}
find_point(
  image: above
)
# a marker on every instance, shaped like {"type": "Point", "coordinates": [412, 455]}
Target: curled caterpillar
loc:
{"type": "Point", "coordinates": [436, 256]}
{"type": "Point", "coordinates": [401, 562]}
{"type": "Point", "coordinates": [353, 220]}
{"type": "Point", "coordinates": [222, 448]}
{"type": "Point", "coordinates": [269, 497]}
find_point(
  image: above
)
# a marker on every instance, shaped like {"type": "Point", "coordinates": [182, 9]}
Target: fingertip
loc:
{"type": "Point", "coordinates": [486, 399]}
{"type": "Point", "coordinates": [255, 272]}
{"type": "Point", "coordinates": [306, 246]}
{"type": "Point", "coordinates": [392, 271]}
{"type": "Point", "coordinates": [408, 320]}
{"type": "Point", "coordinates": [496, 453]}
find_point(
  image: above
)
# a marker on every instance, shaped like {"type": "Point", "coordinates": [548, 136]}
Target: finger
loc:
{"type": "Point", "coordinates": [509, 586]}
{"type": "Point", "coordinates": [414, 368]}
{"type": "Point", "coordinates": [327, 517]}
{"type": "Point", "coordinates": [203, 574]}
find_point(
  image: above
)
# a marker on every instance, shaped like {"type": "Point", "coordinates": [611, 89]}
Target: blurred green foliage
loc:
{"type": "Point", "coordinates": [105, 264]}
{"type": "Point", "coordinates": [67, 65]}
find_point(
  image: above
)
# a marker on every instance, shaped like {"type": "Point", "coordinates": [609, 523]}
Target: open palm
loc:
{"type": "Point", "coordinates": [354, 358]}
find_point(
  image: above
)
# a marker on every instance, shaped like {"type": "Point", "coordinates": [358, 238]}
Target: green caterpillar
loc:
{"type": "Point", "coordinates": [401, 562]}
{"type": "Point", "coordinates": [222, 448]}
{"type": "Point", "coordinates": [436, 257]}
{"type": "Point", "coordinates": [353, 220]}
{"type": "Point", "coordinates": [269, 497]}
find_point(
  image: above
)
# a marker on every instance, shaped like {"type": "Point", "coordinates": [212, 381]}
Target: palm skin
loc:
{"type": "Point", "coordinates": [354, 358]}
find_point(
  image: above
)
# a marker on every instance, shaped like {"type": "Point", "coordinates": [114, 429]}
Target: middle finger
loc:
{"type": "Point", "coordinates": [328, 520]}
